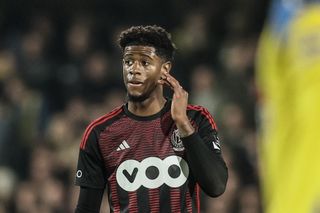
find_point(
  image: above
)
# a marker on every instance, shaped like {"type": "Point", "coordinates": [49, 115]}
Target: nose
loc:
{"type": "Point", "coordinates": [135, 68]}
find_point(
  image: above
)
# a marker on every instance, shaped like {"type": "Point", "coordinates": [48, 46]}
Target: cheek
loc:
{"type": "Point", "coordinates": [124, 69]}
{"type": "Point", "coordinates": [124, 73]}
{"type": "Point", "coordinates": [153, 78]}
{"type": "Point", "coordinates": [155, 73]}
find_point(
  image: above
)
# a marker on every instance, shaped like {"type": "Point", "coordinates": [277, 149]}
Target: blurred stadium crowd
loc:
{"type": "Point", "coordinates": [60, 68]}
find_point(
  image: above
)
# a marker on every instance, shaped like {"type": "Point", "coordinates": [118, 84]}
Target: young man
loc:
{"type": "Point", "coordinates": [153, 153]}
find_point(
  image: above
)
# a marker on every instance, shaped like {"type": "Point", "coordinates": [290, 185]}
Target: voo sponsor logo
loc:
{"type": "Point", "coordinates": [152, 173]}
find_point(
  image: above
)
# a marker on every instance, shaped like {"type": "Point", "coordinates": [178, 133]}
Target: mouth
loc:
{"type": "Point", "coordinates": [135, 83]}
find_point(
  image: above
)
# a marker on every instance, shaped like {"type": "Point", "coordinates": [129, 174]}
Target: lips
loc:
{"type": "Point", "coordinates": [135, 83]}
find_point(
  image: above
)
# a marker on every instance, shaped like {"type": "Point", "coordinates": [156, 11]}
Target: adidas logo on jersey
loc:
{"type": "Point", "coordinates": [124, 145]}
{"type": "Point", "coordinates": [216, 145]}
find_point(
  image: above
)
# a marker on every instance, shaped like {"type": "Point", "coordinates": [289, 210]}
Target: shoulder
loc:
{"type": "Point", "coordinates": [197, 110]}
{"type": "Point", "coordinates": [200, 115]}
{"type": "Point", "coordinates": [107, 117]}
{"type": "Point", "coordinates": [101, 121]}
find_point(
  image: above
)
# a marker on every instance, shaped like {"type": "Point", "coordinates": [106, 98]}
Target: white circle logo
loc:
{"type": "Point", "coordinates": [152, 172]}
{"type": "Point", "coordinates": [79, 174]}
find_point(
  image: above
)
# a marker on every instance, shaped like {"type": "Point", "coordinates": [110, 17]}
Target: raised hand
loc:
{"type": "Point", "coordinates": [179, 105]}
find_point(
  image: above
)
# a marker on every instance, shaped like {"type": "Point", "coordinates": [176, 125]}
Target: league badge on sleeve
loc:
{"type": "Point", "coordinates": [176, 141]}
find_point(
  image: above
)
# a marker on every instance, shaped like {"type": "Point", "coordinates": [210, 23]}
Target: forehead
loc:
{"type": "Point", "coordinates": [140, 50]}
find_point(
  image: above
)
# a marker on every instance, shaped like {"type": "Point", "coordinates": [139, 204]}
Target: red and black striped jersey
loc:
{"type": "Point", "coordinates": [142, 160]}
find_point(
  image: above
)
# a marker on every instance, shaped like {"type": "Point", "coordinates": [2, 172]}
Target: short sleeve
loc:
{"type": "Point", "coordinates": [90, 169]}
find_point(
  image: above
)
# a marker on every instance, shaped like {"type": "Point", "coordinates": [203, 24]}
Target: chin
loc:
{"type": "Point", "coordinates": [137, 98]}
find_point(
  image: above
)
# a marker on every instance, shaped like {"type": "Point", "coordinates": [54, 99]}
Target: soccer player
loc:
{"type": "Point", "coordinates": [288, 77]}
{"type": "Point", "coordinates": [153, 154]}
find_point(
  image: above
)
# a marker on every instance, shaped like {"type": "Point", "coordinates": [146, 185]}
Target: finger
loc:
{"type": "Point", "coordinates": [175, 87]}
{"type": "Point", "coordinates": [164, 82]}
{"type": "Point", "coordinates": [174, 83]}
{"type": "Point", "coordinates": [178, 91]}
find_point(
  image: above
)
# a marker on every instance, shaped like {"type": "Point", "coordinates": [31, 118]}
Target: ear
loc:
{"type": "Point", "coordinates": [166, 67]}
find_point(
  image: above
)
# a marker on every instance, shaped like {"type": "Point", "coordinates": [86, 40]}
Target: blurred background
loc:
{"type": "Point", "coordinates": [60, 68]}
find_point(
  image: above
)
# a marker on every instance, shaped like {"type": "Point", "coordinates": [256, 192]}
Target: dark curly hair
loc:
{"type": "Point", "coordinates": [153, 36]}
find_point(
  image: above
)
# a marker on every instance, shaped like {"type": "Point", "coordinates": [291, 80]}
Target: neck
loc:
{"type": "Point", "coordinates": [150, 106]}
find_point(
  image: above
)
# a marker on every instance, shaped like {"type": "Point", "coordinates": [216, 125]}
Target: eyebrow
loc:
{"type": "Point", "coordinates": [142, 54]}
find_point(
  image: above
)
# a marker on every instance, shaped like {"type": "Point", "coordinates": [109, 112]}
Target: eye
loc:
{"type": "Point", "coordinates": [145, 63]}
{"type": "Point", "coordinates": [128, 62]}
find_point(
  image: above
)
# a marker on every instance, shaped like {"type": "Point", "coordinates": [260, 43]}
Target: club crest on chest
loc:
{"type": "Point", "coordinates": [176, 141]}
